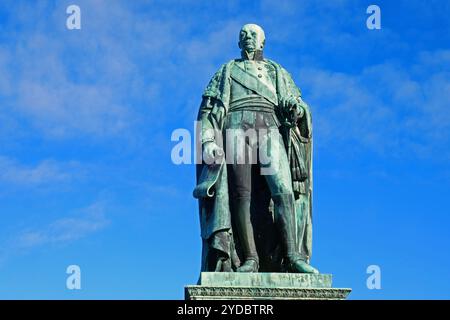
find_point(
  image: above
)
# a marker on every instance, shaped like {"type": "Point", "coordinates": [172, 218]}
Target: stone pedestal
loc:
{"type": "Point", "coordinates": [273, 286]}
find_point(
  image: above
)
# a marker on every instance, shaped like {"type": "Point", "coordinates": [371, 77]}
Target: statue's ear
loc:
{"type": "Point", "coordinates": [263, 44]}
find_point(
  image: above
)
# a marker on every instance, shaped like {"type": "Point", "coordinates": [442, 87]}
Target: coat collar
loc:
{"type": "Point", "coordinates": [258, 56]}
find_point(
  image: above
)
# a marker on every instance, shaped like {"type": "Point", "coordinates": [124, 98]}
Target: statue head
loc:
{"type": "Point", "coordinates": [251, 38]}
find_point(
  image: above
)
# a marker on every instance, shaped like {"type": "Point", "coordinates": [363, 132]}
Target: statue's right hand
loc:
{"type": "Point", "coordinates": [211, 152]}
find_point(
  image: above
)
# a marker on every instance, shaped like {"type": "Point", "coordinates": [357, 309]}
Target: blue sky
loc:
{"type": "Point", "coordinates": [86, 117]}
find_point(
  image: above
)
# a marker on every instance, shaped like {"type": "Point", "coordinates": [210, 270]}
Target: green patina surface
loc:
{"type": "Point", "coordinates": [255, 220]}
{"type": "Point", "coordinates": [267, 280]}
{"type": "Point", "coordinates": [264, 286]}
{"type": "Point", "coordinates": [255, 223]}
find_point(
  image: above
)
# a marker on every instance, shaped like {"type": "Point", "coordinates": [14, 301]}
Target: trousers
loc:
{"type": "Point", "coordinates": [252, 139]}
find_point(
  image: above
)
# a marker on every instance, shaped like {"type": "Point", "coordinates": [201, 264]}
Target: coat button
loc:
{"type": "Point", "coordinates": [259, 75]}
{"type": "Point", "coordinates": [259, 68]}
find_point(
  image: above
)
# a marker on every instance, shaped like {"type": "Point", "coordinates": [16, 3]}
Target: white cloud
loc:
{"type": "Point", "coordinates": [44, 173]}
{"type": "Point", "coordinates": [79, 224]}
{"type": "Point", "coordinates": [67, 83]}
{"type": "Point", "coordinates": [106, 78]}
{"type": "Point", "coordinates": [128, 66]}
{"type": "Point", "coordinates": [86, 221]}
{"type": "Point", "coordinates": [387, 107]}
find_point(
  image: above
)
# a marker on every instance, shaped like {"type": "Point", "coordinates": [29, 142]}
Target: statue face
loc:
{"type": "Point", "coordinates": [251, 38]}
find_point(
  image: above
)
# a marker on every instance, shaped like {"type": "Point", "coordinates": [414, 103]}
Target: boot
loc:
{"type": "Point", "coordinates": [297, 264]}
{"type": "Point", "coordinates": [250, 265]}
{"type": "Point", "coordinates": [244, 230]}
{"type": "Point", "coordinates": [284, 217]}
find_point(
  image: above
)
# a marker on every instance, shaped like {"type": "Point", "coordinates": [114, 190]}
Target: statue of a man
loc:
{"type": "Point", "coordinates": [255, 182]}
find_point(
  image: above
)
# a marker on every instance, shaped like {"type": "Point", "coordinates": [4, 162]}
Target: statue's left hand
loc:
{"type": "Point", "coordinates": [298, 110]}
{"type": "Point", "coordinates": [292, 108]}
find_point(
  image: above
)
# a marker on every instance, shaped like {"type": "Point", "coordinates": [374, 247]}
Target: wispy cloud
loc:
{"type": "Point", "coordinates": [80, 224]}
{"type": "Point", "coordinates": [44, 173]}
{"type": "Point", "coordinates": [58, 84]}
{"type": "Point", "coordinates": [65, 230]}
{"type": "Point", "coordinates": [388, 107]}
{"type": "Point", "coordinates": [105, 79]}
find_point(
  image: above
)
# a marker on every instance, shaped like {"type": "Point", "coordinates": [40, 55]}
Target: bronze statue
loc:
{"type": "Point", "coordinates": [254, 184]}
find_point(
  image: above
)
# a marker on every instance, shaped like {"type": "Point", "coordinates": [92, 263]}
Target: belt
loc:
{"type": "Point", "coordinates": [252, 104]}
{"type": "Point", "coordinates": [253, 108]}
